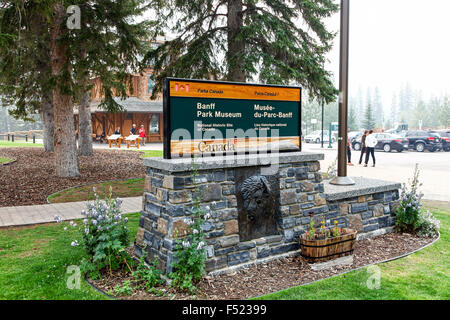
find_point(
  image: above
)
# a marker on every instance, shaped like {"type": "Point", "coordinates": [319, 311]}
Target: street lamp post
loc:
{"type": "Point", "coordinates": [322, 126]}
{"type": "Point", "coordinates": [342, 178]}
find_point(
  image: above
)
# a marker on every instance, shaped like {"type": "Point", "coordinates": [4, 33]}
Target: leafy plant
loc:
{"type": "Point", "coordinates": [104, 236]}
{"type": "Point", "coordinates": [324, 232]}
{"type": "Point", "coordinates": [407, 213]}
{"type": "Point", "coordinates": [125, 290]}
{"type": "Point", "coordinates": [147, 276]}
{"type": "Point", "coordinates": [429, 225]}
{"type": "Point", "coordinates": [190, 255]}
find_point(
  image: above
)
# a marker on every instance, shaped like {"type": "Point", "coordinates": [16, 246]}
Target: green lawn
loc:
{"type": "Point", "coordinates": [121, 188]}
{"type": "Point", "coordinates": [422, 275]}
{"type": "Point", "coordinates": [9, 144]}
{"type": "Point", "coordinates": [34, 261]}
{"type": "Point", "coordinates": [4, 160]}
{"type": "Point", "coordinates": [152, 153]}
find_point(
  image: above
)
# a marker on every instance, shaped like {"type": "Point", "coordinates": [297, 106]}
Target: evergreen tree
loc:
{"type": "Point", "coordinates": [277, 42]}
{"type": "Point", "coordinates": [378, 108]}
{"type": "Point", "coordinates": [444, 114]}
{"type": "Point", "coordinates": [369, 120]}
{"type": "Point", "coordinates": [107, 46]}
{"type": "Point", "coordinates": [352, 123]}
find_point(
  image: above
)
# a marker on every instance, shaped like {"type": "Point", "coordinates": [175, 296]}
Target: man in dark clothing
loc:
{"type": "Point", "coordinates": [133, 130]}
{"type": "Point", "coordinates": [349, 151]}
{"type": "Point", "coordinates": [363, 145]}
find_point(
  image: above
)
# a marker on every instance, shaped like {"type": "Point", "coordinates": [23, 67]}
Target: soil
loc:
{"type": "Point", "coordinates": [31, 179]}
{"type": "Point", "coordinates": [275, 275]}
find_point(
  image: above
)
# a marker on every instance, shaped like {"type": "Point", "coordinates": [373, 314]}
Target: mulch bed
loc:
{"type": "Point", "coordinates": [31, 179]}
{"type": "Point", "coordinates": [277, 274]}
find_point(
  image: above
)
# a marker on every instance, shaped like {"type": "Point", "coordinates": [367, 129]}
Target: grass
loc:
{"type": "Point", "coordinates": [120, 188]}
{"type": "Point", "coordinates": [422, 275]}
{"type": "Point", "coordinates": [152, 153]}
{"type": "Point", "coordinates": [9, 144]}
{"type": "Point", "coordinates": [4, 160]}
{"type": "Point", "coordinates": [34, 261]}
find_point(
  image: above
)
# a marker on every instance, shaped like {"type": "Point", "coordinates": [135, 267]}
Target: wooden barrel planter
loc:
{"type": "Point", "coordinates": [330, 248]}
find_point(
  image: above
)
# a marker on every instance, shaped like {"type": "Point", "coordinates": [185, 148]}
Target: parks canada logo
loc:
{"type": "Point", "coordinates": [216, 147]}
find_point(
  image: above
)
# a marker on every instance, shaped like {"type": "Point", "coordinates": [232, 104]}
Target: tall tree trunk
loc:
{"type": "Point", "coordinates": [65, 146]}
{"type": "Point", "coordinates": [48, 122]}
{"type": "Point", "coordinates": [84, 116]}
{"type": "Point", "coordinates": [85, 132]}
{"type": "Point", "coordinates": [236, 46]}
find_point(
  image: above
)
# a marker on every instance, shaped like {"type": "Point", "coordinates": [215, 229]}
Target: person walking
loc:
{"type": "Point", "coordinates": [371, 142]}
{"type": "Point", "coordinates": [363, 145]}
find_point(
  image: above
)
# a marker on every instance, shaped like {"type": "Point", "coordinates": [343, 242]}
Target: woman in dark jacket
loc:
{"type": "Point", "coordinates": [363, 145]}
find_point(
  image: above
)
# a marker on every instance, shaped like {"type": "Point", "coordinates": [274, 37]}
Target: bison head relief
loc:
{"type": "Point", "coordinates": [256, 192]}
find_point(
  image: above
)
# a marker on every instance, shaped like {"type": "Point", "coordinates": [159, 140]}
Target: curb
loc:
{"type": "Point", "coordinates": [99, 290]}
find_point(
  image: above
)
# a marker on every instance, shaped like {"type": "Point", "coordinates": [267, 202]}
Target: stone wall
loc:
{"type": "Point", "coordinates": [169, 193]}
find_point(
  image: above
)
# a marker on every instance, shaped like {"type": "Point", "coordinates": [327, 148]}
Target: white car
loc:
{"type": "Point", "coordinates": [316, 137]}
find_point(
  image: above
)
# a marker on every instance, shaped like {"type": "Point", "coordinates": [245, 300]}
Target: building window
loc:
{"type": "Point", "coordinates": [154, 124]}
{"type": "Point", "coordinates": [150, 84]}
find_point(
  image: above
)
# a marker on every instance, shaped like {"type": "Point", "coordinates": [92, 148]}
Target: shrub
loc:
{"type": "Point", "coordinates": [407, 213]}
{"type": "Point", "coordinates": [147, 276]}
{"type": "Point", "coordinates": [104, 236]}
{"type": "Point", "coordinates": [428, 225]}
{"type": "Point", "coordinates": [410, 218]}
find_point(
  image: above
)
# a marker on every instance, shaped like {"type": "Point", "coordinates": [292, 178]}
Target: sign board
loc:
{"type": "Point", "coordinates": [212, 117]}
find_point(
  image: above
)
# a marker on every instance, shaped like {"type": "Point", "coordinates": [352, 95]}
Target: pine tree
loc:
{"type": "Point", "coordinates": [369, 120]}
{"type": "Point", "coordinates": [352, 123]}
{"type": "Point", "coordinates": [277, 42]}
{"type": "Point", "coordinates": [112, 44]}
{"type": "Point", "coordinates": [378, 108]}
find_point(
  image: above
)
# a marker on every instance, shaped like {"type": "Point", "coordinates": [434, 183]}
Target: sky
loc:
{"type": "Point", "coordinates": [393, 42]}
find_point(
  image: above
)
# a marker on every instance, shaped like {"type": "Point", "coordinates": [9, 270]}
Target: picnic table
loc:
{"type": "Point", "coordinates": [115, 139]}
{"type": "Point", "coordinates": [132, 140]}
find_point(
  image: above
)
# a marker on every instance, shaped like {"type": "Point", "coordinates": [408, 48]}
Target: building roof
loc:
{"type": "Point", "coordinates": [130, 104]}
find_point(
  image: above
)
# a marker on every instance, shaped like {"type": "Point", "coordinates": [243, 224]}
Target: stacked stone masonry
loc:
{"type": "Point", "coordinates": [168, 197]}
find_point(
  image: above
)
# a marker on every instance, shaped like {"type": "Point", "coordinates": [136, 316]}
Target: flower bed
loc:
{"type": "Point", "coordinates": [273, 276]}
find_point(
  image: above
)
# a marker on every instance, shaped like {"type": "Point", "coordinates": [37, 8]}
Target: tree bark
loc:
{"type": "Point", "coordinates": [48, 122]}
{"type": "Point", "coordinates": [85, 123]}
{"type": "Point", "coordinates": [236, 47]}
{"type": "Point", "coordinates": [65, 147]}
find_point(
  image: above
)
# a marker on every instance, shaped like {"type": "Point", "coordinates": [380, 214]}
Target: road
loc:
{"type": "Point", "coordinates": [393, 166]}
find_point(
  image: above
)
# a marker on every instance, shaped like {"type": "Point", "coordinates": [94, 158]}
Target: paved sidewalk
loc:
{"type": "Point", "coordinates": [28, 215]}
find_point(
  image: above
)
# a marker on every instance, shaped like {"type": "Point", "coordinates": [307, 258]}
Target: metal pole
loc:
{"type": "Point", "coordinates": [342, 178]}
{"type": "Point", "coordinates": [322, 125]}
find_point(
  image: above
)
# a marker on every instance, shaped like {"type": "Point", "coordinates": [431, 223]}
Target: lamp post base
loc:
{"type": "Point", "coordinates": [342, 181]}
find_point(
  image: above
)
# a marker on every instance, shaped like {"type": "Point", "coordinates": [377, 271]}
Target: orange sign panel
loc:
{"type": "Point", "coordinates": [232, 91]}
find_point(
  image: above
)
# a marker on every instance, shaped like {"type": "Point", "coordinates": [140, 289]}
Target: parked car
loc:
{"type": "Point", "coordinates": [421, 140]}
{"type": "Point", "coordinates": [316, 137]}
{"type": "Point", "coordinates": [386, 142]}
{"type": "Point", "coordinates": [445, 138]}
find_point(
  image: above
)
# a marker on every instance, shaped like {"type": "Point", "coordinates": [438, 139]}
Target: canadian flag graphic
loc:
{"type": "Point", "coordinates": [181, 87]}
